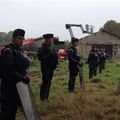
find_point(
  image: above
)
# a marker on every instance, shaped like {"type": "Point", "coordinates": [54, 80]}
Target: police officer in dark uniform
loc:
{"type": "Point", "coordinates": [14, 65]}
{"type": "Point", "coordinates": [93, 62]}
{"type": "Point", "coordinates": [49, 60]}
{"type": "Point", "coordinates": [74, 62]}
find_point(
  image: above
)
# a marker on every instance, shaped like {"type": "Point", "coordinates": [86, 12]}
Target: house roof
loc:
{"type": "Point", "coordinates": [100, 37]}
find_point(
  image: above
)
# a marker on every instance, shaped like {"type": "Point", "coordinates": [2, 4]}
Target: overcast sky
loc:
{"type": "Point", "coordinates": [50, 16]}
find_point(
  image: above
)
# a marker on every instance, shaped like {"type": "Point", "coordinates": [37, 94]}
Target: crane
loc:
{"type": "Point", "coordinates": [88, 28]}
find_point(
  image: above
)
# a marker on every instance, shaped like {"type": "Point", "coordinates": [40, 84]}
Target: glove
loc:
{"type": "Point", "coordinates": [18, 77]}
{"type": "Point", "coordinates": [26, 80]}
{"type": "Point", "coordinates": [80, 64]}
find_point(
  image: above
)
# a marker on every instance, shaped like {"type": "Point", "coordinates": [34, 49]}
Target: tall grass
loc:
{"type": "Point", "coordinates": [99, 101]}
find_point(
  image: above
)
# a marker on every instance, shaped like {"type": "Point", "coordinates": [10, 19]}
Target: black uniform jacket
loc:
{"type": "Point", "coordinates": [48, 57]}
{"type": "Point", "coordinates": [14, 69]}
{"type": "Point", "coordinates": [73, 57]}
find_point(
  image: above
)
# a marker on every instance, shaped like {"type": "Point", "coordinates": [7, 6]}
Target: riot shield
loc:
{"type": "Point", "coordinates": [27, 100]}
{"type": "Point", "coordinates": [82, 82]}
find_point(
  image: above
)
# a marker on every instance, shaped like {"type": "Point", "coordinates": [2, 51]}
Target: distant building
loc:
{"type": "Point", "coordinates": [101, 39]}
{"type": "Point", "coordinates": [2, 34]}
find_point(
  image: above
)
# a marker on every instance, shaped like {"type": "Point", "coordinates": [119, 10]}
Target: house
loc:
{"type": "Point", "coordinates": [100, 39]}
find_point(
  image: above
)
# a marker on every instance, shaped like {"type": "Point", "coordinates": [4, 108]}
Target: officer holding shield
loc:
{"type": "Point", "coordinates": [74, 63]}
{"type": "Point", "coordinates": [14, 66]}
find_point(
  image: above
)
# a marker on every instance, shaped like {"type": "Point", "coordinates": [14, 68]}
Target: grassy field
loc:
{"type": "Point", "coordinates": [99, 101]}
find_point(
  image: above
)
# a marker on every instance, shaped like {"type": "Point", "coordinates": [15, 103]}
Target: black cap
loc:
{"type": "Point", "coordinates": [74, 40]}
{"type": "Point", "coordinates": [49, 35]}
{"type": "Point", "coordinates": [18, 32]}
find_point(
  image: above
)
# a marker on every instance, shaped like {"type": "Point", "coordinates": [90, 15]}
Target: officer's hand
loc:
{"type": "Point", "coordinates": [26, 80]}
{"type": "Point", "coordinates": [81, 64]}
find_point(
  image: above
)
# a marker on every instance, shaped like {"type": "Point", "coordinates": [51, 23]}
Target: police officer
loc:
{"type": "Point", "coordinates": [49, 60]}
{"type": "Point", "coordinates": [14, 70]}
{"type": "Point", "coordinates": [74, 62]}
{"type": "Point", "coordinates": [93, 62]}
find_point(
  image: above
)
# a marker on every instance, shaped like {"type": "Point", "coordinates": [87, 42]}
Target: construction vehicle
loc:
{"type": "Point", "coordinates": [88, 28]}
{"type": "Point", "coordinates": [57, 45]}
{"type": "Point", "coordinates": [31, 41]}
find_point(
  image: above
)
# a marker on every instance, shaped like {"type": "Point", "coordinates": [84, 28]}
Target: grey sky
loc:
{"type": "Point", "coordinates": [42, 16]}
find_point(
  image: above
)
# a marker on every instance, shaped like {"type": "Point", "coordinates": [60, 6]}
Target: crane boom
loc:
{"type": "Point", "coordinates": [88, 28]}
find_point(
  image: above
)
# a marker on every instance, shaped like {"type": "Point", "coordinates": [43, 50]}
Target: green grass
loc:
{"type": "Point", "coordinates": [99, 101]}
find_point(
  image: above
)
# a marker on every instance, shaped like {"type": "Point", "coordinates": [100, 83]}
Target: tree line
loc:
{"type": "Point", "coordinates": [112, 27]}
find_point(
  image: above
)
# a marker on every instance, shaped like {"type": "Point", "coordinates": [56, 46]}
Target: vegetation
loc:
{"type": "Point", "coordinates": [112, 27]}
{"type": "Point", "coordinates": [99, 101]}
{"type": "Point", "coordinates": [6, 38]}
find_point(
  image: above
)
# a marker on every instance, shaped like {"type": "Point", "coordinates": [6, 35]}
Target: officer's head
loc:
{"type": "Point", "coordinates": [74, 42]}
{"type": "Point", "coordinates": [93, 48]}
{"type": "Point", "coordinates": [48, 38]}
{"type": "Point", "coordinates": [18, 37]}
